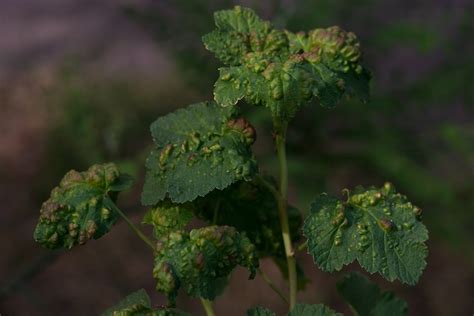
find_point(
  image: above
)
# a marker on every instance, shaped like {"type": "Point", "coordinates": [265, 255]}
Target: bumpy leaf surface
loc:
{"type": "Point", "coordinates": [312, 310]}
{"type": "Point", "coordinates": [166, 217]}
{"type": "Point", "coordinates": [242, 201]}
{"type": "Point", "coordinates": [260, 311]}
{"type": "Point", "coordinates": [201, 261]}
{"type": "Point", "coordinates": [378, 227]}
{"type": "Point", "coordinates": [79, 209]}
{"type": "Point", "coordinates": [138, 304]}
{"type": "Point", "coordinates": [366, 298]}
{"type": "Point", "coordinates": [282, 70]}
{"type": "Point", "coordinates": [198, 149]}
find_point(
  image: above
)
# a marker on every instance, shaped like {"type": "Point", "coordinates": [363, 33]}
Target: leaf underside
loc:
{"type": "Point", "coordinates": [79, 209]}
{"type": "Point", "coordinates": [377, 227]}
{"type": "Point", "coordinates": [138, 304]}
{"type": "Point", "coordinates": [366, 298]}
{"type": "Point", "coordinates": [200, 261]}
{"type": "Point", "coordinates": [197, 149]}
{"type": "Point", "coordinates": [283, 70]}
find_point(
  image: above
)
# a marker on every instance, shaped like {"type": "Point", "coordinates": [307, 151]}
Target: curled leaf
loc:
{"type": "Point", "coordinates": [79, 209]}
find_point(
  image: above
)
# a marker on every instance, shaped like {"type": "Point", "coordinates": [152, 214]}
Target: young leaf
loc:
{"type": "Point", "coordinates": [198, 149]}
{"type": "Point", "coordinates": [312, 310]}
{"type": "Point", "coordinates": [166, 217]}
{"type": "Point", "coordinates": [201, 261]}
{"type": "Point", "coordinates": [282, 70]}
{"type": "Point", "coordinates": [79, 208]}
{"type": "Point", "coordinates": [260, 311]}
{"type": "Point", "coordinates": [239, 32]}
{"type": "Point", "coordinates": [366, 299]}
{"type": "Point", "coordinates": [138, 304]}
{"type": "Point", "coordinates": [378, 227]}
{"type": "Point", "coordinates": [243, 200]}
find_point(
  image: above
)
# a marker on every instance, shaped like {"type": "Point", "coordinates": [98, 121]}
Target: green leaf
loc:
{"type": "Point", "coordinates": [260, 311]}
{"type": "Point", "coordinates": [198, 149]}
{"type": "Point", "coordinates": [366, 298]}
{"type": "Point", "coordinates": [201, 261]}
{"type": "Point", "coordinates": [282, 70]}
{"type": "Point", "coordinates": [138, 304]}
{"type": "Point", "coordinates": [312, 310]}
{"type": "Point", "coordinates": [378, 227]}
{"type": "Point", "coordinates": [243, 200]}
{"type": "Point", "coordinates": [166, 217]}
{"type": "Point", "coordinates": [79, 208]}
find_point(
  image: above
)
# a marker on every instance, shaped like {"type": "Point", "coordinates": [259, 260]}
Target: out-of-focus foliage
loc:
{"type": "Point", "coordinates": [366, 298]}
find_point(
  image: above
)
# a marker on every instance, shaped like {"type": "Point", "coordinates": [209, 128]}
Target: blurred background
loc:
{"type": "Point", "coordinates": [81, 81]}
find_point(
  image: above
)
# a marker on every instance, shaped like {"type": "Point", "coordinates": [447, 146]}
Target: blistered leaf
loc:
{"type": "Point", "coordinates": [312, 310]}
{"type": "Point", "coordinates": [366, 298]}
{"type": "Point", "coordinates": [243, 200]}
{"type": "Point", "coordinates": [239, 32]}
{"type": "Point", "coordinates": [201, 261]}
{"type": "Point", "coordinates": [138, 304]}
{"type": "Point", "coordinates": [260, 311]}
{"type": "Point", "coordinates": [378, 227]}
{"type": "Point", "coordinates": [282, 70]}
{"type": "Point", "coordinates": [80, 208]}
{"type": "Point", "coordinates": [198, 149]}
{"type": "Point", "coordinates": [166, 217]}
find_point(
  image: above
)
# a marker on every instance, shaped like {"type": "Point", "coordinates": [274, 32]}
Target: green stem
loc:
{"type": "Point", "coordinates": [135, 229]}
{"type": "Point", "coordinates": [207, 307]}
{"type": "Point", "coordinates": [280, 139]}
{"type": "Point", "coordinates": [302, 246]}
{"type": "Point", "coordinates": [272, 285]}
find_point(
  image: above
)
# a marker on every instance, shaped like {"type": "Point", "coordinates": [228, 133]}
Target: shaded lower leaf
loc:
{"type": "Point", "coordinates": [312, 310]}
{"type": "Point", "coordinates": [79, 209]}
{"type": "Point", "coordinates": [201, 261]}
{"type": "Point", "coordinates": [366, 298]}
{"type": "Point", "coordinates": [138, 304]}
{"type": "Point", "coordinates": [260, 311]}
{"type": "Point", "coordinates": [243, 200]}
{"type": "Point", "coordinates": [378, 227]}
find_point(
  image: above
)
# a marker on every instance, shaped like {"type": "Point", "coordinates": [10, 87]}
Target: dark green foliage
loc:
{"type": "Point", "coordinates": [366, 298]}
{"type": "Point", "coordinates": [260, 311]}
{"type": "Point", "coordinates": [200, 261]}
{"type": "Point", "coordinates": [198, 149]}
{"type": "Point", "coordinates": [79, 209]}
{"type": "Point", "coordinates": [378, 227]}
{"type": "Point", "coordinates": [242, 201]}
{"type": "Point", "coordinates": [138, 304]}
{"type": "Point", "coordinates": [298, 310]}
{"type": "Point", "coordinates": [282, 70]}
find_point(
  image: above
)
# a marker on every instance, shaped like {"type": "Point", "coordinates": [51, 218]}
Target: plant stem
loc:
{"type": "Point", "coordinates": [207, 307]}
{"type": "Point", "coordinates": [272, 285]}
{"type": "Point", "coordinates": [280, 139]}
{"type": "Point", "coordinates": [302, 246]}
{"type": "Point", "coordinates": [135, 229]}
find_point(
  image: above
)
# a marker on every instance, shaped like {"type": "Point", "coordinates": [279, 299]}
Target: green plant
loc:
{"type": "Point", "coordinates": [202, 166]}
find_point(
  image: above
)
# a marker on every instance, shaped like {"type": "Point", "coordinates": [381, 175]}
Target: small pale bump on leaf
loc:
{"type": "Point", "coordinates": [377, 227]}
{"type": "Point", "coordinates": [80, 208]}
